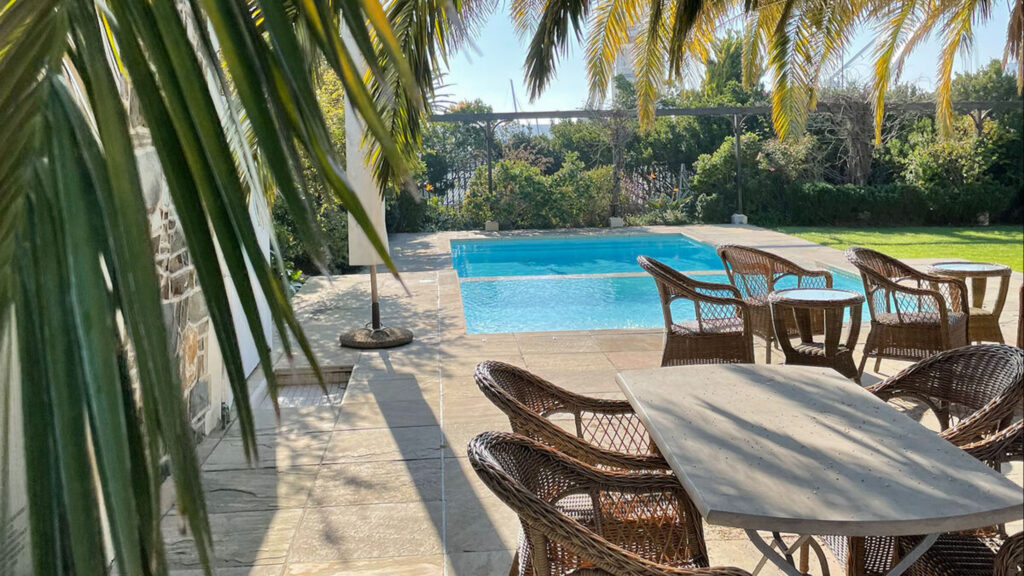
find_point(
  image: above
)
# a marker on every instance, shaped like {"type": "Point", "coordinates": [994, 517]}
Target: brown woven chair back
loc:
{"type": "Point", "coordinates": [983, 385]}
{"type": "Point", "coordinates": [575, 516]}
{"type": "Point", "coordinates": [884, 276]}
{"type": "Point", "coordinates": [715, 305]}
{"type": "Point", "coordinates": [604, 433]}
{"type": "Point", "coordinates": [721, 331]}
{"type": "Point", "coordinates": [1020, 319]}
{"type": "Point", "coordinates": [757, 272]}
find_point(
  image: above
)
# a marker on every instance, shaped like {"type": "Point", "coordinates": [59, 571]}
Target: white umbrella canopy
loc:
{"type": "Point", "coordinates": [360, 251]}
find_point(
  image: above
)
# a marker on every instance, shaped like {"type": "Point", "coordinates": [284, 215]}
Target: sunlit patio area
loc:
{"type": "Point", "coordinates": [373, 478]}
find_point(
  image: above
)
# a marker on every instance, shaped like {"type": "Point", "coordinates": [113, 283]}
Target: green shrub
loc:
{"type": "Point", "coordinates": [518, 197]}
{"type": "Point", "coordinates": [768, 169]}
{"type": "Point", "coordinates": [822, 204]}
{"type": "Point", "coordinates": [522, 197]}
{"type": "Point", "coordinates": [661, 212]}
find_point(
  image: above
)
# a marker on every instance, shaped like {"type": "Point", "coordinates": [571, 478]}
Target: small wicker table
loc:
{"type": "Point", "coordinates": [983, 323]}
{"type": "Point", "coordinates": [832, 302]}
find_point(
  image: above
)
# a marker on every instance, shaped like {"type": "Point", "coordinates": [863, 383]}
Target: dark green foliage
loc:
{"type": "Point", "coordinates": [522, 197]}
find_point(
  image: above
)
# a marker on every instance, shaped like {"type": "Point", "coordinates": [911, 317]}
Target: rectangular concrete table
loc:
{"type": "Point", "coordinates": [803, 450]}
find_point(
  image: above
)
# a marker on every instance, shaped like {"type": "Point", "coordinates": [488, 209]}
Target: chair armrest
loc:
{"type": "Point", "coordinates": [643, 459]}
{"type": "Point", "coordinates": [816, 273]}
{"type": "Point", "coordinates": [729, 289]}
{"type": "Point", "coordinates": [942, 305]}
{"type": "Point", "coordinates": [1010, 556]}
{"type": "Point", "coordinates": [1006, 445]}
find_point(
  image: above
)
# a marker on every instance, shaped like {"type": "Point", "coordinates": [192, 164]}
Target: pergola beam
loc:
{"type": "Point", "coordinates": [923, 107]}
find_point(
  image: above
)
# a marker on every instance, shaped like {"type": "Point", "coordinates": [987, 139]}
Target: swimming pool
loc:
{"type": "Point", "coordinates": [550, 284]}
{"type": "Point", "coordinates": [578, 255]}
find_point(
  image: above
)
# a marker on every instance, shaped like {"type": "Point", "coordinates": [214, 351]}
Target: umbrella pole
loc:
{"type": "Point", "coordinates": [374, 299]}
{"type": "Point", "coordinates": [373, 335]}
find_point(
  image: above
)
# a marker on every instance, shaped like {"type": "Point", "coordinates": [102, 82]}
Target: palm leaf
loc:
{"type": "Point", "coordinates": [1014, 51]}
{"type": "Point", "coordinates": [559, 19]}
{"type": "Point", "coordinates": [608, 34]}
{"type": "Point", "coordinates": [105, 399]}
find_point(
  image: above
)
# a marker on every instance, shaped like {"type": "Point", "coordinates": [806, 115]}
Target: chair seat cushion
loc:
{"type": "Point", "coordinates": [914, 318]}
{"type": "Point", "coordinates": [716, 326]}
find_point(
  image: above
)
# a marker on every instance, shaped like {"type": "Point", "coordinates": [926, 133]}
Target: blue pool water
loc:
{"type": "Point", "coordinates": [603, 255]}
{"type": "Point", "coordinates": [572, 294]}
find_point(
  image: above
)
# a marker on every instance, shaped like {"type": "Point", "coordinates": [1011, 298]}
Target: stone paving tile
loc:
{"type": "Point", "coordinates": [584, 362]}
{"type": "Point", "coordinates": [634, 360]}
{"type": "Point", "coordinates": [259, 489]}
{"type": "Point", "coordinates": [547, 344]}
{"type": "Point", "coordinates": [399, 566]}
{"type": "Point", "coordinates": [587, 382]}
{"type": "Point", "coordinates": [470, 408]}
{"type": "Point", "coordinates": [461, 387]}
{"type": "Point", "coordinates": [479, 345]}
{"type": "Point", "coordinates": [354, 483]}
{"type": "Point", "coordinates": [465, 366]}
{"type": "Point", "coordinates": [457, 435]}
{"type": "Point", "coordinates": [496, 563]}
{"type": "Point", "coordinates": [380, 444]}
{"type": "Point", "coordinates": [620, 342]}
{"type": "Point", "coordinates": [292, 420]}
{"type": "Point", "coordinates": [479, 524]}
{"type": "Point", "coordinates": [400, 388]}
{"type": "Point", "coordinates": [240, 539]}
{"type": "Point", "coordinates": [270, 570]}
{"type": "Point", "coordinates": [461, 479]}
{"type": "Point", "coordinates": [279, 450]}
{"type": "Point", "coordinates": [368, 531]}
{"type": "Point", "coordinates": [421, 412]}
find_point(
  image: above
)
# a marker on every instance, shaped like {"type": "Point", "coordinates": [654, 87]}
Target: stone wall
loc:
{"type": "Point", "coordinates": [193, 342]}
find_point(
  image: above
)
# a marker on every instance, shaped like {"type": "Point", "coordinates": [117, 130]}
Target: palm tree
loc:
{"type": "Point", "coordinates": [225, 92]}
{"type": "Point", "coordinates": [797, 40]}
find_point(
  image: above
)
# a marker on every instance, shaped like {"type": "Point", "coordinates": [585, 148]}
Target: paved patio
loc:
{"type": "Point", "coordinates": [372, 479]}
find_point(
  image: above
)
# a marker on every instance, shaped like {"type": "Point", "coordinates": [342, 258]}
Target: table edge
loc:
{"type": "Point", "coordinates": [821, 527]}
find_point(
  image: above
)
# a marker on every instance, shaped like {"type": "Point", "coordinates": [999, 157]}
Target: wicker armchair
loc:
{"type": "Point", "coordinates": [577, 519]}
{"type": "Point", "coordinates": [913, 314]}
{"type": "Point", "coordinates": [1020, 319]}
{"type": "Point", "coordinates": [980, 385]}
{"type": "Point", "coordinates": [608, 433]}
{"type": "Point", "coordinates": [984, 386]}
{"type": "Point", "coordinates": [756, 274]}
{"type": "Point", "coordinates": [721, 332]}
{"type": "Point", "coordinates": [985, 553]}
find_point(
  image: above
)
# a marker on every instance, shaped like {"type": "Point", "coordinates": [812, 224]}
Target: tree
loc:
{"type": "Point", "coordinates": [79, 302]}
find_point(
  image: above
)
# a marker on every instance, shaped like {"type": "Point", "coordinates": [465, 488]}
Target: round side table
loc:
{"type": "Point", "coordinates": [983, 323]}
{"type": "Point", "coordinates": [801, 302]}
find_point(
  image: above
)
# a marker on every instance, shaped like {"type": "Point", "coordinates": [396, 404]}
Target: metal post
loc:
{"type": "Point", "coordinates": [490, 164]}
{"type": "Point", "coordinates": [737, 128]}
{"type": "Point", "coordinates": [617, 162]}
{"type": "Point", "coordinates": [374, 299]}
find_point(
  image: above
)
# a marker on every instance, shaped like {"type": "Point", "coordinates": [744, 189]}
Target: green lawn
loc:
{"type": "Point", "coordinates": [1001, 244]}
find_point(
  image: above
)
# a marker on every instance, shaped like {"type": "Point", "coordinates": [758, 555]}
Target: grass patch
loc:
{"type": "Point", "coordinates": [999, 244]}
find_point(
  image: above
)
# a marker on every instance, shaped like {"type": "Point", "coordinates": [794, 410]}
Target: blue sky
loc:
{"type": "Point", "coordinates": [485, 74]}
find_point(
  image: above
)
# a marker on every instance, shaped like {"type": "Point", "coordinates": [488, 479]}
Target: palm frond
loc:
{"type": "Point", "coordinates": [78, 283]}
{"type": "Point", "coordinates": [650, 62]}
{"type": "Point", "coordinates": [559, 20]}
{"type": "Point", "coordinates": [608, 33]}
{"type": "Point", "coordinates": [957, 36]}
{"type": "Point", "coordinates": [897, 19]}
{"type": "Point", "coordinates": [1014, 51]}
